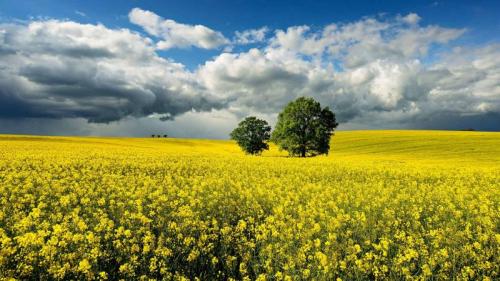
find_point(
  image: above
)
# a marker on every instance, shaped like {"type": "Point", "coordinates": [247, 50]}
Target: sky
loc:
{"type": "Point", "coordinates": [196, 68]}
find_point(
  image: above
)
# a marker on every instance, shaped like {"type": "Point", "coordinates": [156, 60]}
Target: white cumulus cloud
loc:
{"type": "Point", "coordinates": [174, 34]}
{"type": "Point", "coordinates": [362, 69]}
{"type": "Point", "coordinates": [250, 36]}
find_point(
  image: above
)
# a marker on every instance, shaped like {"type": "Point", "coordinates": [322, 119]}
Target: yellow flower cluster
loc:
{"type": "Point", "coordinates": [382, 206]}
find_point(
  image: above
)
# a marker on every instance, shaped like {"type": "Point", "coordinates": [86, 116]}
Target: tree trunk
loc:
{"type": "Point", "coordinates": [303, 152]}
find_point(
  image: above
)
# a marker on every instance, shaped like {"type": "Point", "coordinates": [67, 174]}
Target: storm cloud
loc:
{"type": "Point", "coordinates": [62, 69]}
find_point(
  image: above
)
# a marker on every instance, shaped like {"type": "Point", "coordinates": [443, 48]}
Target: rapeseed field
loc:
{"type": "Point", "coordinates": [412, 205]}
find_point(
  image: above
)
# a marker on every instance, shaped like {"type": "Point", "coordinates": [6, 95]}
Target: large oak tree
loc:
{"type": "Point", "coordinates": [304, 128]}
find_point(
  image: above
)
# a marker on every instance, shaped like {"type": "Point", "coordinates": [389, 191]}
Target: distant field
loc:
{"type": "Point", "coordinates": [479, 147]}
{"type": "Point", "coordinates": [381, 205]}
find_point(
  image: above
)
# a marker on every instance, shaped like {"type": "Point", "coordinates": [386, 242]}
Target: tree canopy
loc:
{"type": "Point", "coordinates": [304, 128]}
{"type": "Point", "coordinates": [252, 135]}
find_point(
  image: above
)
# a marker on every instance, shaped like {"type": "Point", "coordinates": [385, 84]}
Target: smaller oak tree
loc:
{"type": "Point", "coordinates": [252, 135]}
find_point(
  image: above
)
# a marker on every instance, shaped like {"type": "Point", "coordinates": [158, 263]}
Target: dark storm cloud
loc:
{"type": "Point", "coordinates": [454, 121]}
{"type": "Point", "coordinates": [54, 69]}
